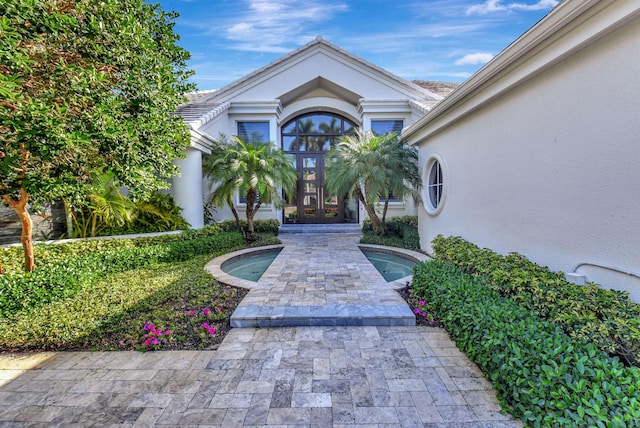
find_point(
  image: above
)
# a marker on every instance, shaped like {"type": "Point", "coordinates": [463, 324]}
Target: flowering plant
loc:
{"type": "Point", "coordinates": [155, 337]}
{"type": "Point", "coordinates": [422, 310]}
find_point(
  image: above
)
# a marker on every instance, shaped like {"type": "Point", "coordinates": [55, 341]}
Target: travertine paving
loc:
{"type": "Point", "coordinates": [342, 376]}
{"type": "Point", "coordinates": [322, 280]}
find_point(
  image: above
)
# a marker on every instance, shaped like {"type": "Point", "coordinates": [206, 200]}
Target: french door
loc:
{"type": "Point", "coordinates": [315, 204]}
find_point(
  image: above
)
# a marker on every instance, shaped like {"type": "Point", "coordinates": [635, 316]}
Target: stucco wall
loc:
{"type": "Point", "coordinates": [551, 168]}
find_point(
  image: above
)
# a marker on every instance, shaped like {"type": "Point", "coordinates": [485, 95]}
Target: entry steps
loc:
{"type": "Point", "coordinates": [321, 228]}
{"type": "Point", "coordinates": [322, 316]}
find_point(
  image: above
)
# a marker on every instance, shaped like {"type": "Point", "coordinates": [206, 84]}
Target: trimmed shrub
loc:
{"type": "Point", "coordinates": [545, 377]}
{"type": "Point", "coordinates": [399, 232]}
{"type": "Point", "coordinates": [606, 318]}
{"type": "Point", "coordinates": [267, 227]}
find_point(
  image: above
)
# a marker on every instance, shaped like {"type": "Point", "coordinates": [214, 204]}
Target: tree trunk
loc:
{"type": "Point", "coordinates": [235, 215]}
{"type": "Point", "coordinates": [371, 211]}
{"type": "Point", "coordinates": [383, 221]}
{"type": "Point", "coordinates": [250, 211]}
{"type": "Point", "coordinates": [20, 207]}
{"type": "Point", "coordinates": [68, 215]}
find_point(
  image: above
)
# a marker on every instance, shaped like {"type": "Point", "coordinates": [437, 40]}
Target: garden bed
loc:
{"type": "Point", "coordinates": [136, 294]}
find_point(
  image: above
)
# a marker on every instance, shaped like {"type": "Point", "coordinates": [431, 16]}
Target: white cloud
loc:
{"type": "Point", "coordinates": [277, 25]}
{"type": "Point", "coordinates": [541, 5]}
{"type": "Point", "coordinates": [475, 58]}
{"type": "Point", "coordinates": [490, 6]}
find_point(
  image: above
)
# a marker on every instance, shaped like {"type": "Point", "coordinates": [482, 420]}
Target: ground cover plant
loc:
{"type": "Point", "coordinates": [399, 232]}
{"type": "Point", "coordinates": [542, 375]}
{"type": "Point", "coordinates": [148, 293]}
{"type": "Point", "coordinates": [606, 318]}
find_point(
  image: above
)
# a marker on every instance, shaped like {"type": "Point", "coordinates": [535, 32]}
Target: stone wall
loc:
{"type": "Point", "coordinates": [49, 224]}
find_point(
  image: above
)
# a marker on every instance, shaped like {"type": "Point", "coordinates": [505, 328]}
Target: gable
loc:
{"type": "Point", "coordinates": [328, 63]}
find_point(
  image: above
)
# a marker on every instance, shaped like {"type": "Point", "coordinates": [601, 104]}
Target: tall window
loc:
{"type": "Point", "coordinates": [251, 131]}
{"type": "Point", "coordinates": [257, 131]}
{"type": "Point", "coordinates": [382, 127]}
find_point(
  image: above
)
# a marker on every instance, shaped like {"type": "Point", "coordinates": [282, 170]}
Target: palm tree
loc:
{"type": "Point", "coordinates": [373, 167]}
{"type": "Point", "coordinates": [105, 207]}
{"type": "Point", "coordinates": [257, 169]}
{"type": "Point", "coordinates": [404, 175]}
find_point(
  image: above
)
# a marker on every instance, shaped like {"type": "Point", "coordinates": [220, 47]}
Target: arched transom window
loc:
{"type": "Point", "coordinates": [315, 132]}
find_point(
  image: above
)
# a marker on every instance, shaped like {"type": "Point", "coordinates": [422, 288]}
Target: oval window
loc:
{"type": "Point", "coordinates": [433, 192]}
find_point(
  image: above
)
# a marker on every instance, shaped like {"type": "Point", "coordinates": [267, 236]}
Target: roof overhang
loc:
{"type": "Point", "coordinates": [569, 27]}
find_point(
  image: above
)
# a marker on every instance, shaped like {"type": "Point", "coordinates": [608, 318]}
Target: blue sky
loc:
{"type": "Point", "coordinates": [444, 40]}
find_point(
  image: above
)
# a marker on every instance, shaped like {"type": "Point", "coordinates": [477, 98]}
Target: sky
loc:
{"type": "Point", "coordinates": [441, 40]}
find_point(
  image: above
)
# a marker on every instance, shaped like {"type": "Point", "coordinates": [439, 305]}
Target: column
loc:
{"type": "Point", "coordinates": [187, 190]}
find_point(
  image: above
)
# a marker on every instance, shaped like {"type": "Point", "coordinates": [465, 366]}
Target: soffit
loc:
{"type": "Point", "coordinates": [318, 86]}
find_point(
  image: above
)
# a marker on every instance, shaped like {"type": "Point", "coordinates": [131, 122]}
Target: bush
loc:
{"type": "Point", "coordinates": [607, 318]}
{"type": "Point", "coordinates": [544, 376]}
{"type": "Point", "coordinates": [267, 227]}
{"type": "Point", "coordinates": [61, 277]}
{"type": "Point", "coordinates": [399, 232]}
{"type": "Point", "coordinates": [158, 214]}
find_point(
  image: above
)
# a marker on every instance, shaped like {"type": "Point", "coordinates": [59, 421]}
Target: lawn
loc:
{"type": "Point", "coordinates": [130, 294]}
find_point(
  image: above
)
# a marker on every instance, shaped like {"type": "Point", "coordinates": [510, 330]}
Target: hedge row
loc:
{"type": "Point", "coordinates": [544, 376]}
{"type": "Point", "coordinates": [607, 318]}
{"type": "Point", "coordinates": [58, 279]}
{"type": "Point", "coordinates": [399, 232]}
{"type": "Point", "coordinates": [11, 258]}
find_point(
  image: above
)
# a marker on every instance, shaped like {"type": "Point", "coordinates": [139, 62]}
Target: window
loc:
{"type": "Point", "coordinates": [434, 191]}
{"type": "Point", "coordinates": [435, 184]}
{"type": "Point", "coordinates": [257, 131]}
{"type": "Point", "coordinates": [315, 132]}
{"type": "Point", "coordinates": [382, 127]}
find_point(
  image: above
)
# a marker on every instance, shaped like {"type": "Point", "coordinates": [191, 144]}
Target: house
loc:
{"type": "Point", "coordinates": [539, 151]}
{"type": "Point", "coordinates": [303, 102]}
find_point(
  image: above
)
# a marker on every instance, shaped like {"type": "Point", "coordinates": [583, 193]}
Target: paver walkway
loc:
{"type": "Point", "coordinates": [322, 280]}
{"type": "Point", "coordinates": [343, 376]}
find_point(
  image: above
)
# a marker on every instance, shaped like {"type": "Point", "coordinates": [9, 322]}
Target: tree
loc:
{"type": "Point", "coordinates": [256, 169]}
{"type": "Point", "coordinates": [403, 174]}
{"type": "Point", "coordinates": [372, 167]}
{"type": "Point", "coordinates": [86, 85]}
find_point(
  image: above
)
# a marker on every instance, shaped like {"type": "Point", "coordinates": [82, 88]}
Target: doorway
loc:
{"type": "Point", "coordinates": [307, 139]}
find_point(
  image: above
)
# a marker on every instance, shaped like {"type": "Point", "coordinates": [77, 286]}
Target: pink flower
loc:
{"type": "Point", "coordinates": [422, 303]}
{"type": "Point", "coordinates": [424, 314]}
{"type": "Point", "coordinates": [206, 311]}
{"type": "Point", "coordinates": [168, 332]}
{"type": "Point", "coordinates": [121, 342]}
{"type": "Point", "coordinates": [156, 342]}
{"type": "Point", "coordinates": [205, 325]}
{"type": "Point", "coordinates": [212, 330]}
{"type": "Point", "coordinates": [416, 311]}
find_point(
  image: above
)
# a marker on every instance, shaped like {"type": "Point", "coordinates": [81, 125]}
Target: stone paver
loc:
{"type": "Point", "coordinates": [322, 280]}
{"type": "Point", "coordinates": [341, 376]}
{"type": "Point", "coordinates": [292, 376]}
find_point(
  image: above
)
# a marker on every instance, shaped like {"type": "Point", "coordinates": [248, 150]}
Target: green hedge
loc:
{"type": "Point", "coordinates": [11, 258]}
{"type": "Point", "coordinates": [85, 262]}
{"type": "Point", "coordinates": [399, 232]}
{"type": "Point", "coordinates": [607, 318]}
{"type": "Point", "coordinates": [544, 376]}
{"type": "Point", "coordinates": [267, 227]}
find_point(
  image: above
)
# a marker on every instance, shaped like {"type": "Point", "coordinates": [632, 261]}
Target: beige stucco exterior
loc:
{"type": "Point", "coordinates": [541, 147]}
{"type": "Point", "coordinates": [318, 77]}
